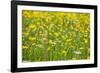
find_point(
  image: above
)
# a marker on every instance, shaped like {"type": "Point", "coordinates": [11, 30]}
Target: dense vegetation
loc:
{"type": "Point", "coordinates": [52, 36]}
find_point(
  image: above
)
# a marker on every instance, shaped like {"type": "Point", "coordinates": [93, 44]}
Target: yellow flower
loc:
{"type": "Point", "coordinates": [85, 35]}
{"type": "Point", "coordinates": [24, 47]}
{"type": "Point", "coordinates": [78, 26]}
{"type": "Point", "coordinates": [86, 31]}
{"type": "Point", "coordinates": [56, 33]}
{"type": "Point", "coordinates": [50, 41]}
{"type": "Point", "coordinates": [63, 37]}
{"type": "Point", "coordinates": [38, 22]}
{"type": "Point", "coordinates": [44, 38]}
{"type": "Point", "coordinates": [25, 13]}
{"type": "Point", "coordinates": [68, 40]}
{"type": "Point", "coordinates": [49, 49]}
{"type": "Point", "coordinates": [32, 26]}
{"type": "Point", "coordinates": [81, 48]}
{"type": "Point", "coordinates": [33, 44]}
{"type": "Point", "coordinates": [50, 33]}
{"type": "Point", "coordinates": [32, 38]}
{"type": "Point", "coordinates": [29, 15]}
{"type": "Point", "coordinates": [85, 40]}
{"type": "Point", "coordinates": [47, 19]}
{"type": "Point", "coordinates": [64, 52]}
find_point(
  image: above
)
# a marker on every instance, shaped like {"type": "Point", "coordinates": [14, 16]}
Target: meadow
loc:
{"type": "Point", "coordinates": [55, 36]}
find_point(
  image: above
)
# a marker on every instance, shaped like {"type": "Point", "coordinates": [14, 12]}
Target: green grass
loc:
{"type": "Point", "coordinates": [54, 36]}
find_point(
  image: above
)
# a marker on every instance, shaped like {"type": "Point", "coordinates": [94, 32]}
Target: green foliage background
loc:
{"type": "Point", "coordinates": [52, 36]}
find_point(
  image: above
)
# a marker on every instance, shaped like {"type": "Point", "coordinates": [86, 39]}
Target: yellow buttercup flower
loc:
{"type": "Point", "coordinates": [50, 34]}
{"type": "Point", "coordinates": [29, 16]}
{"type": "Point", "coordinates": [38, 22]}
{"type": "Point", "coordinates": [32, 38]}
{"type": "Point", "coordinates": [56, 33]}
{"type": "Point", "coordinates": [50, 42]}
{"type": "Point", "coordinates": [33, 44]}
{"type": "Point", "coordinates": [25, 13]}
{"type": "Point", "coordinates": [72, 16]}
{"type": "Point", "coordinates": [63, 37]}
{"type": "Point", "coordinates": [81, 48]}
{"type": "Point", "coordinates": [24, 47]}
{"type": "Point", "coordinates": [32, 26]}
{"type": "Point", "coordinates": [85, 35]}
{"type": "Point", "coordinates": [49, 49]}
{"type": "Point", "coordinates": [82, 30]}
{"type": "Point", "coordinates": [64, 34]}
{"type": "Point", "coordinates": [64, 52]}
{"type": "Point", "coordinates": [68, 40]}
{"type": "Point", "coordinates": [78, 26]}
{"type": "Point", "coordinates": [85, 40]}
{"type": "Point", "coordinates": [44, 38]}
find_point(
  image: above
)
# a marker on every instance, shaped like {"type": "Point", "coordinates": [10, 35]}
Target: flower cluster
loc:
{"type": "Point", "coordinates": [52, 36]}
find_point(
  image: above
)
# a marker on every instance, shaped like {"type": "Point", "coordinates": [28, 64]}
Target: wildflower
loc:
{"type": "Point", "coordinates": [32, 38]}
{"type": "Point", "coordinates": [85, 35]}
{"type": "Point", "coordinates": [49, 49]}
{"type": "Point", "coordinates": [38, 22]}
{"type": "Point", "coordinates": [50, 41]}
{"type": "Point", "coordinates": [32, 26]}
{"type": "Point", "coordinates": [24, 47]}
{"type": "Point", "coordinates": [82, 30]}
{"type": "Point", "coordinates": [25, 13]}
{"type": "Point", "coordinates": [68, 40]}
{"type": "Point", "coordinates": [77, 52]}
{"type": "Point", "coordinates": [29, 16]}
{"type": "Point", "coordinates": [33, 44]}
{"type": "Point", "coordinates": [85, 40]}
{"type": "Point", "coordinates": [78, 26]}
{"type": "Point", "coordinates": [50, 33]}
{"type": "Point", "coordinates": [56, 33]}
{"type": "Point", "coordinates": [81, 48]}
{"type": "Point", "coordinates": [63, 37]}
{"type": "Point", "coordinates": [64, 52]}
{"type": "Point", "coordinates": [72, 16]}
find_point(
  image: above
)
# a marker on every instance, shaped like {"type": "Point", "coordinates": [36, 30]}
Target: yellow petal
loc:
{"type": "Point", "coordinates": [25, 47]}
{"type": "Point", "coordinates": [32, 38]}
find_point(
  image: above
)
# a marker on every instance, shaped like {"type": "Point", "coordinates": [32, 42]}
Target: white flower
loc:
{"type": "Point", "coordinates": [77, 52]}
